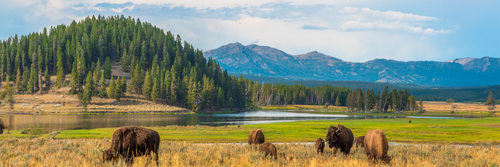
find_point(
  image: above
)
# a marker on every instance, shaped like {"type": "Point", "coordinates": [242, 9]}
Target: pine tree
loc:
{"type": "Point", "coordinates": [107, 68]}
{"type": "Point", "coordinates": [120, 88]}
{"type": "Point", "coordinates": [47, 78]}
{"type": "Point", "coordinates": [75, 79]}
{"type": "Point", "coordinates": [337, 101]}
{"type": "Point", "coordinates": [87, 91]}
{"type": "Point", "coordinates": [125, 62]}
{"type": "Point", "coordinates": [60, 68]}
{"type": "Point", "coordinates": [102, 86]}
{"type": "Point", "coordinates": [156, 90]}
{"type": "Point", "coordinates": [136, 80]}
{"type": "Point", "coordinates": [9, 94]}
{"type": "Point", "coordinates": [146, 88]}
{"type": "Point", "coordinates": [112, 89]}
{"type": "Point", "coordinates": [19, 84]}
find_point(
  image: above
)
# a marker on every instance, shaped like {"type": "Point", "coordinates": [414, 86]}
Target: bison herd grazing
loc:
{"type": "Point", "coordinates": [129, 142]}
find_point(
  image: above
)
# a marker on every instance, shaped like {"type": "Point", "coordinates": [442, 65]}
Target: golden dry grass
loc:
{"type": "Point", "coordinates": [87, 152]}
{"type": "Point", "coordinates": [58, 101]}
{"type": "Point", "coordinates": [437, 106]}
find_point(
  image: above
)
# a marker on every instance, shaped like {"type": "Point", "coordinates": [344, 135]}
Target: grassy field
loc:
{"type": "Point", "coordinates": [465, 131]}
{"type": "Point", "coordinates": [87, 152]}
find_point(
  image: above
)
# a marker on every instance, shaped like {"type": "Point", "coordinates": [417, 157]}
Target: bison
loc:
{"type": "Point", "coordinates": [2, 126]}
{"type": "Point", "coordinates": [376, 145]}
{"type": "Point", "coordinates": [269, 150]}
{"type": "Point", "coordinates": [129, 142]}
{"type": "Point", "coordinates": [340, 137]}
{"type": "Point", "coordinates": [360, 141]}
{"type": "Point", "coordinates": [256, 137]}
{"type": "Point", "coordinates": [320, 145]}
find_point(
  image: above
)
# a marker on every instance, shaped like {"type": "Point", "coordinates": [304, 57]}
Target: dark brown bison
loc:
{"type": "Point", "coordinates": [2, 126]}
{"type": "Point", "coordinates": [320, 145]}
{"type": "Point", "coordinates": [376, 145]}
{"type": "Point", "coordinates": [340, 137]}
{"type": "Point", "coordinates": [256, 137]}
{"type": "Point", "coordinates": [129, 142]}
{"type": "Point", "coordinates": [360, 141]}
{"type": "Point", "coordinates": [268, 149]}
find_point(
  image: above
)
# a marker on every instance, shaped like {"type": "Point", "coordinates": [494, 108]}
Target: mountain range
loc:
{"type": "Point", "coordinates": [264, 61]}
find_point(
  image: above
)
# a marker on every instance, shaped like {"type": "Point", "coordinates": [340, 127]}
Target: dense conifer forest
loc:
{"type": "Point", "coordinates": [163, 68]}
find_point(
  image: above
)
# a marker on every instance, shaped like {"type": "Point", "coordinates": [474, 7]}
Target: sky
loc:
{"type": "Point", "coordinates": [352, 30]}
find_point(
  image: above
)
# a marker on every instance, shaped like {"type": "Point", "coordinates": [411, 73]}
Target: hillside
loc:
{"type": "Point", "coordinates": [266, 61]}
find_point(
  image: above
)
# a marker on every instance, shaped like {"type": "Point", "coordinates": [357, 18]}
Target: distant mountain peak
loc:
{"type": "Point", "coordinates": [266, 61]}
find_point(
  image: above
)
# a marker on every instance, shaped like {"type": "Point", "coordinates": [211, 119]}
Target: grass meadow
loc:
{"type": "Point", "coordinates": [461, 131]}
{"type": "Point", "coordinates": [87, 152]}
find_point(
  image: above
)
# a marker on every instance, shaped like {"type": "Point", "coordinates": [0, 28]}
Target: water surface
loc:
{"type": "Point", "coordinates": [91, 121]}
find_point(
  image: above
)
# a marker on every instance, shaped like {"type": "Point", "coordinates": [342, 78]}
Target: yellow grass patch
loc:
{"type": "Point", "coordinates": [77, 152]}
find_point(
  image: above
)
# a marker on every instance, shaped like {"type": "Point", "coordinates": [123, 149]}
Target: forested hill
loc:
{"type": "Point", "coordinates": [162, 67]}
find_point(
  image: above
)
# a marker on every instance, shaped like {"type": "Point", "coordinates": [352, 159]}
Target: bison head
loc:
{"type": "Point", "coordinates": [108, 155]}
{"type": "Point", "coordinates": [332, 136]}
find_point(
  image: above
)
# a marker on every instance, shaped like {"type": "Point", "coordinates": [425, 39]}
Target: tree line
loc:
{"type": "Point", "coordinates": [355, 100]}
{"type": "Point", "coordinates": [162, 68]}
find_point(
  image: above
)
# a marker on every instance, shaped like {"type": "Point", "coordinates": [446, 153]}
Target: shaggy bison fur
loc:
{"type": "Point", "coordinates": [320, 145]}
{"type": "Point", "coordinates": [2, 126]}
{"type": "Point", "coordinates": [340, 137]}
{"type": "Point", "coordinates": [268, 149]}
{"type": "Point", "coordinates": [376, 145]}
{"type": "Point", "coordinates": [130, 142]}
{"type": "Point", "coordinates": [256, 137]}
{"type": "Point", "coordinates": [360, 141]}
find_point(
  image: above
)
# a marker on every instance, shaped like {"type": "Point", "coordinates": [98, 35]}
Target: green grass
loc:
{"type": "Point", "coordinates": [467, 131]}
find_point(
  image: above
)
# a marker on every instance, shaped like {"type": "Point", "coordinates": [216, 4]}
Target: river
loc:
{"type": "Point", "coordinates": [91, 121]}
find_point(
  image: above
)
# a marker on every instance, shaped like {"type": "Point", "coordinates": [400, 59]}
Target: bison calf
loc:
{"type": "Point", "coordinates": [376, 145]}
{"type": "Point", "coordinates": [130, 142]}
{"type": "Point", "coordinates": [360, 141]}
{"type": "Point", "coordinates": [268, 149]}
{"type": "Point", "coordinates": [256, 137]}
{"type": "Point", "coordinates": [320, 145]}
{"type": "Point", "coordinates": [340, 137]}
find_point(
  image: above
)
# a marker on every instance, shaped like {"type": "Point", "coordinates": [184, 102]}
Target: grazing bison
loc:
{"type": "Point", "coordinates": [2, 126]}
{"type": "Point", "coordinates": [360, 141]}
{"type": "Point", "coordinates": [376, 145]}
{"type": "Point", "coordinates": [256, 137]}
{"type": "Point", "coordinates": [129, 142]}
{"type": "Point", "coordinates": [340, 137]}
{"type": "Point", "coordinates": [269, 149]}
{"type": "Point", "coordinates": [320, 145]}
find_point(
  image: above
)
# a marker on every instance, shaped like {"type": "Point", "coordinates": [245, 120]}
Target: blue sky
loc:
{"type": "Point", "coordinates": [352, 30]}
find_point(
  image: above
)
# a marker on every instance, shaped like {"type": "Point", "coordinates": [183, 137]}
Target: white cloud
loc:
{"type": "Point", "coordinates": [292, 38]}
{"type": "Point", "coordinates": [369, 19]}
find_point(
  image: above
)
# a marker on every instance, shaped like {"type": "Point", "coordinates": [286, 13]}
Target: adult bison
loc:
{"type": "Point", "coordinates": [256, 137]}
{"type": "Point", "coordinates": [340, 137]}
{"type": "Point", "coordinates": [129, 142]}
{"type": "Point", "coordinates": [320, 145]}
{"type": "Point", "coordinates": [360, 141]}
{"type": "Point", "coordinates": [376, 145]}
{"type": "Point", "coordinates": [2, 126]}
{"type": "Point", "coordinates": [269, 149]}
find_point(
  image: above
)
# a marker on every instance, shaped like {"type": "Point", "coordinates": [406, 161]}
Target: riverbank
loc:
{"type": "Point", "coordinates": [449, 131]}
{"type": "Point", "coordinates": [87, 152]}
{"type": "Point", "coordinates": [432, 108]}
{"type": "Point", "coordinates": [59, 102]}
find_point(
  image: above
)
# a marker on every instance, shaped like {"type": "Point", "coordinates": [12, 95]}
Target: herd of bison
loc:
{"type": "Point", "coordinates": [129, 142]}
